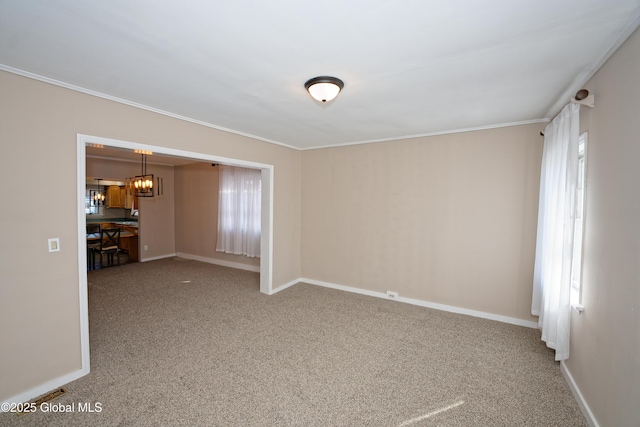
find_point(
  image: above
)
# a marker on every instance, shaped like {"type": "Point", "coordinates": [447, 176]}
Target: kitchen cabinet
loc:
{"type": "Point", "coordinates": [114, 199]}
{"type": "Point", "coordinates": [119, 197]}
{"type": "Point", "coordinates": [129, 244]}
{"type": "Point", "coordinates": [127, 198]}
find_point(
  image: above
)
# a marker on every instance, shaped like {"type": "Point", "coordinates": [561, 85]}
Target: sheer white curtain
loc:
{"type": "Point", "coordinates": [556, 216]}
{"type": "Point", "coordinates": [239, 211]}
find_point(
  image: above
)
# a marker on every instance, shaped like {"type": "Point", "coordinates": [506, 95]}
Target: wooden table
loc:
{"type": "Point", "coordinates": [128, 242]}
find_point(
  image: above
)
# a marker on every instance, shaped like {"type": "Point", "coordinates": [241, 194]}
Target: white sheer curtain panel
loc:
{"type": "Point", "coordinates": [556, 216]}
{"type": "Point", "coordinates": [239, 211]}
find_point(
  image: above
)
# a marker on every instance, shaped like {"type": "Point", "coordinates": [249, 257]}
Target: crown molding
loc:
{"type": "Point", "coordinates": [86, 91]}
{"type": "Point", "coordinates": [55, 82]}
{"type": "Point", "coordinates": [422, 135]}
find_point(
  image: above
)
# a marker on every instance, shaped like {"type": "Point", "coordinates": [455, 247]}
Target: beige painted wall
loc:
{"type": "Point", "coordinates": [39, 123]}
{"type": "Point", "coordinates": [447, 219]}
{"type": "Point", "coordinates": [605, 339]}
{"type": "Point", "coordinates": [156, 222]}
{"type": "Point", "coordinates": [197, 213]}
{"type": "Point", "coordinates": [156, 215]}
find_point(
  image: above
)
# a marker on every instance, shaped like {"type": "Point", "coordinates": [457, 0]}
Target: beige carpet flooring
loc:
{"type": "Point", "coordinates": [179, 342]}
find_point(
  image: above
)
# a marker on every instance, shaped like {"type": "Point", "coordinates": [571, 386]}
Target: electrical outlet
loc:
{"type": "Point", "coordinates": [146, 247]}
{"type": "Point", "coordinates": [392, 295]}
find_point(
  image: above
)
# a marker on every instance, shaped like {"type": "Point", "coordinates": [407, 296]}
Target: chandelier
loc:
{"type": "Point", "coordinates": [97, 196]}
{"type": "Point", "coordinates": [143, 185]}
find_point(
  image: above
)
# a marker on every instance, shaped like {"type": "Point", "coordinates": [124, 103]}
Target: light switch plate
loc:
{"type": "Point", "coordinates": [54, 245]}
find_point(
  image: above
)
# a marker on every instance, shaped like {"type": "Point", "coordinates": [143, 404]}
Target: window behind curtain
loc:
{"type": "Point", "coordinates": [239, 205]}
{"type": "Point", "coordinates": [576, 265]}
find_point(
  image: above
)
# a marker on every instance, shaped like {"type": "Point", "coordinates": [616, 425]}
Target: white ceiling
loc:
{"type": "Point", "coordinates": [410, 68]}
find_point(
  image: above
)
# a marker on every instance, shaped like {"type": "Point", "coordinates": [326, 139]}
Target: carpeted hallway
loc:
{"type": "Point", "coordinates": [180, 342]}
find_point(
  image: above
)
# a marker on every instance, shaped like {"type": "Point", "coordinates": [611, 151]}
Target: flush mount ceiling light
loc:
{"type": "Point", "coordinates": [324, 88]}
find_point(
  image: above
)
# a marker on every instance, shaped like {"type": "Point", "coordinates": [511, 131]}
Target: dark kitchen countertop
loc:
{"type": "Point", "coordinates": [95, 220]}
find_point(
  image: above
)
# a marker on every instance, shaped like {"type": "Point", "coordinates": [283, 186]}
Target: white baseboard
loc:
{"type": "Point", "coordinates": [586, 411]}
{"type": "Point", "coordinates": [421, 303]}
{"type": "Point", "coordinates": [156, 257]}
{"type": "Point", "coordinates": [285, 286]}
{"type": "Point", "coordinates": [238, 265]}
{"type": "Point", "coordinates": [47, 387]}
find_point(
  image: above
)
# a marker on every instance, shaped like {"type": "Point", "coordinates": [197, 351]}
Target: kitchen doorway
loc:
{"type": "Point", "coordinates": [266, 241]}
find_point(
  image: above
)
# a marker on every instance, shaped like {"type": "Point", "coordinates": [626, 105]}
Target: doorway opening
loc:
{"type": "Point", "coordinates": [266, 238]}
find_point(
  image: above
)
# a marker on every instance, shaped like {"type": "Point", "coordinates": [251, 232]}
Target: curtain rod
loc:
{"type": "Point", "coordinates": [583, 98]}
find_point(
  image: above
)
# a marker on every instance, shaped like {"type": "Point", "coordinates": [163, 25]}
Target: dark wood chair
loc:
{"type": "Point", "coordinates": [109, 244]}
{"type": "Point", "coordinates": [92, 229]}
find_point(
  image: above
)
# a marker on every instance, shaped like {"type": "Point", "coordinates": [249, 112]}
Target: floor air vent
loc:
{"type": "Point", "coordinates": [47, 398]}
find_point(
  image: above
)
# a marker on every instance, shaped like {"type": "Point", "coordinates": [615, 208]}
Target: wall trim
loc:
{"type": "Point", "coordinates": [427, 134]}
{"type": "Point", "coordinates": [428, 304]}
{"type": "Point", "coordinates": [577, 394]}
{"type": "Point", "coordinates": [80, 89]}
{"type": "Point", "coordinates": [268, 188]}
{"type": "Point", "coordinates": [266, 240]}
{"type": "Point", "coordinates": [153, 258]}
{"type": "Point", "coordinates": [583, 78]}
{"type": "Point", "coordinates": [26, 396]}
{"type": "Point", "coordinates": [285, 286]}
{"type": "Point", "coordinates": [224, 263]}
